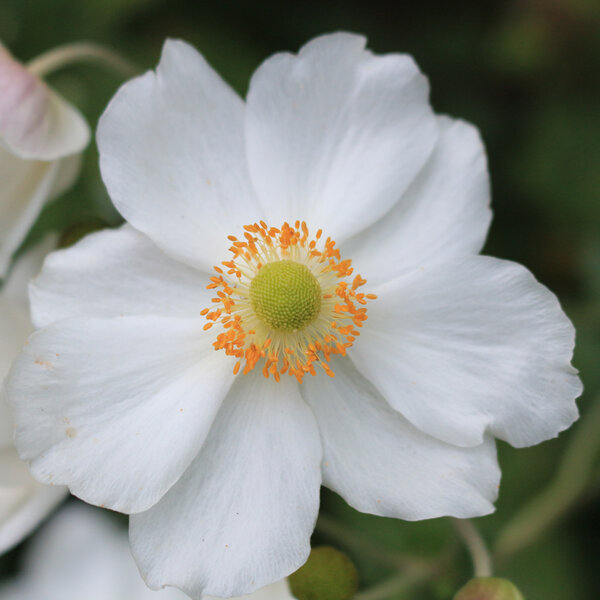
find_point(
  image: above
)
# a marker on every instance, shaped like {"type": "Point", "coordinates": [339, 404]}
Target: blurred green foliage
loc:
{"type": "Point", "coordinates": [527, 73]}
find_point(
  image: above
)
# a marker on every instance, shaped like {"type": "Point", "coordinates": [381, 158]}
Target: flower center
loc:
{"type": "Point", "coordinates": [285, 295]}
{"type": "Point", "coordinates": [285, 301]}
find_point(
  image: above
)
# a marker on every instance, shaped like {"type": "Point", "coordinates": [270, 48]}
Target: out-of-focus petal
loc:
{"type": "Point", "coordinates": [24, 502]}
{"type": "Point", "coordinates": [35, 122]}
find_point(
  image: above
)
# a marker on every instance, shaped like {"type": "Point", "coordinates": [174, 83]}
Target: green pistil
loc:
{"type": "Point", "coordinates": [285, 295]}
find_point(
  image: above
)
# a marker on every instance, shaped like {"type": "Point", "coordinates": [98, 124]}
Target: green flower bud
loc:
{"type": "Point", "coordinates": [328, 574]}
{"type": "Point", "coordinates": [489, 588]}
{"type": "Point", "coordinates": [72, 234]}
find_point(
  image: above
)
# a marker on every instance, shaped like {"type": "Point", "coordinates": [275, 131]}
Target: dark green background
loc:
{"type": "Point", "coordinates": [527, 73]}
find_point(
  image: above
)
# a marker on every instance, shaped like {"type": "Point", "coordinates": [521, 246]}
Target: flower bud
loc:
{"type": "Point", "coordinates": [489, 588]}
{"type": "Point", "coordinates": [328, 574]}
{"type": "Point", "coordinates": [41, 138]}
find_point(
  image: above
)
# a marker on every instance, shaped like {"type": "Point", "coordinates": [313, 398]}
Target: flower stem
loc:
{"type": "Point", "coordinates": [68, 54]}
{"type": "Point", "coordinates": [480, 555]}
{"type": "Point", "coordinates": [409, 578]}
{"type": "Point", "coordinates": [392, 586]}
{"type": "Point", "coordinates": [572, 477]}
{"type": "Point", "coordinates": [393, 559]}
{"type": "Point", "coordinates": [412, 571]}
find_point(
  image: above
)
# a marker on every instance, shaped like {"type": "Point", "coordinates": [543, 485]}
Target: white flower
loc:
{"type": "Point", "coordinates": [221, 472]}
{"type": "Point", "coordinates": [23, 501]}
{"type": "Point", "coordinates": [82, 555]}
{"type": "Point", "coordinates": [41, 136]}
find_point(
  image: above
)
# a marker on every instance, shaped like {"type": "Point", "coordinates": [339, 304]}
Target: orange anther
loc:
{"type": "Point", "coordinates": [244, 336]}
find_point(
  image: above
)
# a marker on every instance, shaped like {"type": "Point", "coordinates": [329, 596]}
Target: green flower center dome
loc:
{"type": "Point", "coordinates": [285, 295]}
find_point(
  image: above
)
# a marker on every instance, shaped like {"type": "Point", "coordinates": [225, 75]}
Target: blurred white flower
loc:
{"type": "Point", "coordinates": [82, 555]}
{"type": "Point", "coordinates": [41, 136]}
{"type": "Point", "coordinates": [23, 501]}
{"type": "Point", "coordinates": [122, 396]}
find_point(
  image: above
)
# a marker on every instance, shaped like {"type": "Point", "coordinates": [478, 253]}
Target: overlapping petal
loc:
{"type": "Point", "coordinates": [35, 122]}
{"type": "Point", "coordinates": [444, 213]}
{"type": "Point", "coordinates": [23, 501]}
{"type": "Point", "coordinates": [472, 345]}
{"type": "Point", "coordinates": [381, 464]}
{"type": "Point", "coordinates": [243, 513]}
{"type": "Point", "coordinates": [114, 273]}
{"type": "Point", "coordinates": [16, 288]}
{"type": "Point", "coordinates": [133, 399]}
{"type": "Point", "coordinates": [26, 185]}
{"type": "Point", "coordinates": [335, 135]}
{"type": "Point", "coordinates": [172, 157]}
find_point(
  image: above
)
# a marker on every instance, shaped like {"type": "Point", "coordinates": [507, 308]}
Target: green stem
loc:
{"type": "Point", "coordinates": [392, 586]}
{"type": "Point", "coordinates": [395, 560]}
{"type": "Point", "coordinates": [573, 475]}
{"type": "Point", "coordinates": [68, 54]}
{"type": "Point", "coordinates": [410, 578]}
{"type": "Point", "coordinates": [480, 555]}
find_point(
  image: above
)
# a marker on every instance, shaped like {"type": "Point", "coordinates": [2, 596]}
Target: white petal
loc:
{"type": "Point", "coordinates": [6, 425]}
{"type": "Point", "coordinates": [68, 171]}
{"type": "Point", "coordinates": [242, 515]}
{"type": "Point", "coordinates": [381, 464]}
{"type": "Point", "coordinates": [24, 502]}
{"type": "Point", "coordinates": [25, 268]}
{"type": "Point", "coordinates": [172, 157]}
{"type": "Point", "coordinates": [280, 590]}
{"type": "Point", "coordinates": [35, 122]}
{"type": "Point", "coordinates": [15, 324]}
{"type": "Point", "coordinates": [444, 213]}
{"type": "Point", "coordinates": [26, 186]}
{"type": "Point", "coordinates": [335, 134]}
{"type": "Point", "coordinates": [81, 555]}
{"type": "Point", "coordinates": [14, 329]}
{"type": "Point", "coordinates": [113, 273]}
{"type": "Point", "coordinates": [116, 408]}
{"type": "Point", "coordinates": [470, 345]}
